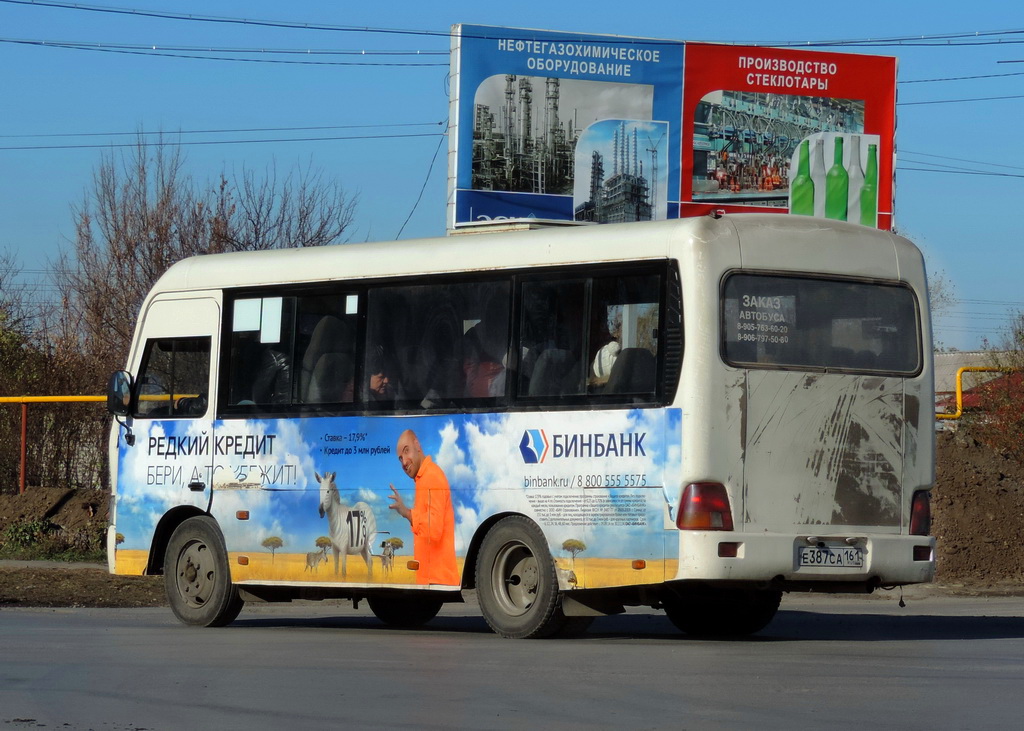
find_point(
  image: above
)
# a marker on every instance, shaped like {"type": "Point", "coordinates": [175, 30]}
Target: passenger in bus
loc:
{"type": "Point", "coordinates": [601, 369]}
{"type": "Point", "coordinates": [485, 346]}
{"type": "Point", "coordinates": [273, 379]}
{"type": "Point", "coordinates": [431, 516]}
{"type": "Point", "coordinates": [382, 388]}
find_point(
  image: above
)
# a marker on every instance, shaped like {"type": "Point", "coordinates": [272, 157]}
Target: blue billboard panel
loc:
{"type": "Point", "coordinates": [563, 126]}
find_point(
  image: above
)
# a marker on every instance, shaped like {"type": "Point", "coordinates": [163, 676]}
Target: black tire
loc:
{"type": "Point", "coordinates": [712, 612]}
{"type": "Point", "coordinates": [516, 583]}
{"type": "Point", "coordinates": [196, 575]}
{"type": "Point", "coordinates": [404, 611]}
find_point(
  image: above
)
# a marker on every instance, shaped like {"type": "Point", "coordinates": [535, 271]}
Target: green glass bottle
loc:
{"type": "Point", "coordinates": [818, 176]}
{"type": "Point", "coordinates": [837, 186]}
{"type": "Point", "coordinates": [801, 190]}
{"type": "Point", "coordinates": [869, 193]}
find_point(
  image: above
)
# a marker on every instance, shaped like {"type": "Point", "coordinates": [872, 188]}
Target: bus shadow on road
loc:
{"type": "Point", "coordinates": [816, 626]}
{"type": "Point", "coordinates": [788, 626]}
{"type": "Point", "coordinates": [459, 624]}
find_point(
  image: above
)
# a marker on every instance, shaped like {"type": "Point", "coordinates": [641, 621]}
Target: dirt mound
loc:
{"type": "Point", "coordinates": [58, 587]}
{"type": "Point", "coordinates": [977, 514]}
{"type": "Point", "coordinates": [71, 510]}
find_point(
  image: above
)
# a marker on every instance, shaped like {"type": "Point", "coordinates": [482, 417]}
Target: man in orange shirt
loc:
{"type": "Point", "coordinates": [432, 516]}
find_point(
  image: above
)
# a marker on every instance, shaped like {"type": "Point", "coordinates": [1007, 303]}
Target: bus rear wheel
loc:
{"type": "Point", "coordinates": [404, 611]}
{"type": "Point", "coordinates": [516, 583]}
{"type": "Point", "coordinates": [196, 575]}
{"type": "Point", "coordinates": [714, 612]}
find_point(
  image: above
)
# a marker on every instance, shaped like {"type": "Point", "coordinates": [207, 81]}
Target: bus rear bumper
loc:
{"type": "Point", "coordinates": [827, 561]}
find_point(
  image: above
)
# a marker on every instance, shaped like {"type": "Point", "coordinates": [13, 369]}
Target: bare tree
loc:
{"type": "Point", "coordinates": [20, 367]}
{"type": "Point", "coordinates": [143, 213]}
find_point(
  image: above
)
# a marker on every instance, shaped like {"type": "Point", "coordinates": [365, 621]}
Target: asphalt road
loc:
{"type": "Point", "coordinates": [825, 662]}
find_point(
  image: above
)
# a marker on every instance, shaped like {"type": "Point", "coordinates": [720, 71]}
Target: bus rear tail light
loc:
{"type": "Point", "coordinates": [920, 514]}
{"type": "Point", "coordinates": [704, 506]}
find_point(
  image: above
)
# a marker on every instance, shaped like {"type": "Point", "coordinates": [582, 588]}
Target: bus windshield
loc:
{"type": "Point", "coordinates": [831, 324]}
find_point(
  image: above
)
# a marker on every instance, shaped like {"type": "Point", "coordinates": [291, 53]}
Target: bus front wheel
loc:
{"type": "Point", "coordinates": [515, 580]}
{"type": "Point", "coordinates": [197, 577]}
{"type": "Point", "coordinates": [713, 612]}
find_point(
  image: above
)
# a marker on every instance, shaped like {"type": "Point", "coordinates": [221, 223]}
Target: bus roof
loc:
{"type": "Point", "coordinates": [816, 245]}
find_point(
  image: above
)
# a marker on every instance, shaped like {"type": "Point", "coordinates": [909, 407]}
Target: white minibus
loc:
{"type": "Point", "coordinates": [695, 415]}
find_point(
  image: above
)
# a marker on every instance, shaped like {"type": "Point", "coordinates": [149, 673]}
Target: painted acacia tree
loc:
{"type": "Point", "coordinates": [574, 546]}
{"type": "Point", "coordinates": [323, 543]}
{"type": "Point", "coordinates": [272, 544]}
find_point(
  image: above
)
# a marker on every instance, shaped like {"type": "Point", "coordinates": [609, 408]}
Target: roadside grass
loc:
{"type": "Point", "coordinates": [39, 540]}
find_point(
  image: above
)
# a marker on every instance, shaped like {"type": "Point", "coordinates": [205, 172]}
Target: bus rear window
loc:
{"type": "Point", "coordinates": [820, 324]}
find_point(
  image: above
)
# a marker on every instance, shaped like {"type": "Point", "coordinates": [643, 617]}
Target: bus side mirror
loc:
{"type": "Point", "coordinates": [119, 393]}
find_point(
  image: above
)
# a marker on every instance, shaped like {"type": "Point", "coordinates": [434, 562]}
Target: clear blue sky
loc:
{"type": "Point", "coordinates": [966, 223]}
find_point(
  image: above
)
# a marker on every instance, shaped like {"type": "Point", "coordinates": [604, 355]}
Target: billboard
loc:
{"type": "Point", "coordinates": [754, 117]}
{"type": "Point", "coordinates": [563, 126]}
{"type": "Point", "coordinates": [607, 129]}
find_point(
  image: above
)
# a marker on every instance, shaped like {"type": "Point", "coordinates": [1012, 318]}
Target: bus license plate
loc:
{"type": "Point", "coordinates": [832, 557]}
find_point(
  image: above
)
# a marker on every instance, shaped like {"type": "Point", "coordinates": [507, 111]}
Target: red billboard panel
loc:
{"type": "Point", "coordinates": [788, 131]}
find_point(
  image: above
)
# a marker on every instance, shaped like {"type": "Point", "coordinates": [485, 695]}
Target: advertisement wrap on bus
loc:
{"type": "Point", "coordinates": [596, 482]}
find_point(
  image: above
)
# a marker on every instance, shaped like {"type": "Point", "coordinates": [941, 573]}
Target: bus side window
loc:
{"type": "Point", "coordinates": [174, 378]}
{"type": "Point", "coordinates": [435, 346]}
{"type": "Point", "coordinates": [551, 338]}
{"type": "Point", "coordinates": [328, 365]}
{"type": "Point", "coordinates": [623, 336]}
{"type": "Point", "coordinates": [261, 370]}
{"type": "Point", "coordinates": [485, 342]}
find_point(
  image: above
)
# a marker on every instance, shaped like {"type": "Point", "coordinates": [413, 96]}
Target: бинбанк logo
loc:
{"type": "Point", "coordinates": [534, 446]}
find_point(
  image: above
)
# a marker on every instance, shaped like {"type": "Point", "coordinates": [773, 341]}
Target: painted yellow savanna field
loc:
{"type": "Point", "coordinates": [293, 567]}
{"type": "Point", "coordinates": [590, 573]}
{"type": "Point", "coordinates": [129, 562]}
{"type": "Point", "coordinates": [596, 573]}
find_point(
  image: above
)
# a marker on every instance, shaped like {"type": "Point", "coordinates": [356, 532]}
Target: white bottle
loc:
{"type": "Point", "coordinates": [856, 173]}
{"type": "Point", "coordinates": [818, 176]}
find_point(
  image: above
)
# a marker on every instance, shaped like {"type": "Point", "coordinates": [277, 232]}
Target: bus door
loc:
{"type": "Point", "coordinates": [169, 461]}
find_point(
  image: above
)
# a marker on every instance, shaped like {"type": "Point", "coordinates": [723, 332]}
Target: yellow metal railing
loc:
{"type": "Point", "coordinates": [960, 388]}
{"type": "Point", "coordinates": [25, 401]}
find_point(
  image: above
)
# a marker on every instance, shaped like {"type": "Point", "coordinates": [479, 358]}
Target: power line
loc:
{"type": "Point", "coordinates": [1012, 303]}
{"type": "Point", "coordinates": [955, 172]}
{"type": "Point", "coordinates": [949, 101]}
{"type": "Point", "coordinates": [225, 131]}
{"type": "Point", "coordinates": [962, 78]}
{"type": "Point", "coordinates": [222, 141]}
{"type": "Point", "coordinates": [945, 39]}
{"type": "Point", "coordinates": [161, 54]}
{"type": "Point", "coordinates": [430, 169]}
{"type": "Point", "coordinates": [946, 167]}
{"type": "Point", "coordinates": [960, 159]}
{"type": "Point", "coordinates": [175, 51]}
{"type": "Point", "coordinates": [223, 49]}
{"type": "Point", "coordinates": [167, 15]}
